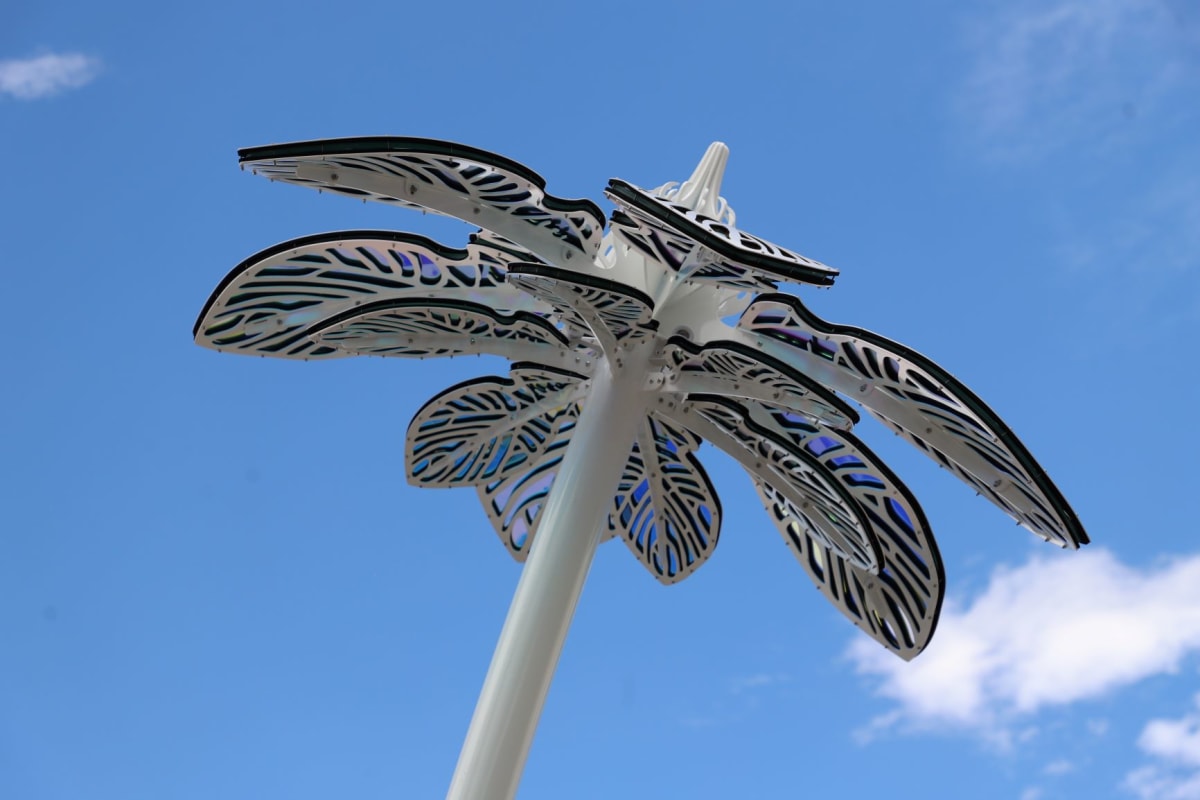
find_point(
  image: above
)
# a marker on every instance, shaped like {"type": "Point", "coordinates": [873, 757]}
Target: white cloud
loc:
{"type": "Point", "coordinates": [1051, 632]}
{"type": "Point", "coordinates": [46, 75]}
{"type": "Point", "coordinates": [1157, 783]}
{"type": "Point", "coordinates": [1176, 744]}
{"type": "Point", "coordinates": [1174, 739]}
{"type": "Point", "coordinates": [1059, 767]}
{"type": "Point", "coordinates": [1052, 74]}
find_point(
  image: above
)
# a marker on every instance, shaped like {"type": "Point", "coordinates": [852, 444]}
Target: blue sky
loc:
{"type": "Point", "coordinates": [215, 582]}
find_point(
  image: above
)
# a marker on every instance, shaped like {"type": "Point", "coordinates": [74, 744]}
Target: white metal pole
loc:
{"type": "Point", "coordinates": [506, 714]}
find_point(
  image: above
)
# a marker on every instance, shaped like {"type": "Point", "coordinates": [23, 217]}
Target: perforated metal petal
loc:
{"type": "Point", "coordinates": [732, 368]}
{"type": "Point", "coordinates": [699, 247]}
{"type": "Point", "coordinates": [666, 509]}
{"type": "Point", "coordinates": [764, 446]}
{"type": "Point", "coordinates": [268, 304]}
{"type": "Point", "coordinates": [899, 605]}
{"type": "Point", "coordinates": [487, 429]}
{"type": "Point", "coordinates": [473, 185]}
{"type": "Point", "coordinates": [611, 312]}
{"type": "Point", "coordinates": [435, 327]}
{"type": "Point", "coordinates": [923, 403]}
{"type": "Point", "coordinates": [513, 503]}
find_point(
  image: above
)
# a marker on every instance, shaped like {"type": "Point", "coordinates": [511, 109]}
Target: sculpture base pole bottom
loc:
{"type": "Point", "coordinates": [506, 715]}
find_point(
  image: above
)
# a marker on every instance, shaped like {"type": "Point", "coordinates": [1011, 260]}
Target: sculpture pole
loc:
{"type": "Point", "coordinates": [506, 715]}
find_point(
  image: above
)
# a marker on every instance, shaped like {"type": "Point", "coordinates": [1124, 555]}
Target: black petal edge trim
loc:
{"type": "Point", "coordinates": [1026, 459]}
{"type": "Point", "coordinates": [824, 393]}
{"type": "Point", "coordinates": [506, 381]}
{"type": "Point", "coordinates": [433, 302]}
{"type": "Point", "coordinates": [773, 267]}
{"type": "Point", "coordinates": [361, 145]}
{"type": "Point", "coordinates": [569, 276]}
{"type": "Point", "coordinates": [441, 250]}
{"type": "Point", "coordinates": [876, 463]}
{"type": "Point", "coordinates": [799, 452]}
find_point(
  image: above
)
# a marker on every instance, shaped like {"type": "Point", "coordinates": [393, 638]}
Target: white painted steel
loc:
{"type": "Point", "coordinates": [632, 312]}
{"type": "Point", "coordinates": [506, 715]}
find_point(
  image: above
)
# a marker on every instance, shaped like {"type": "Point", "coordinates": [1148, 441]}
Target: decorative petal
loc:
{"type": "Point", "coordinates": [514, 503]}
{"type": "Point", "coordinates": [699, 247]}
{"type": "Point", "coordinates": [269, 302]}
{"type": "Point", "coordinates": [766, 446]}
{"type": "Point", "coordinates": [418, 328]}
{"type": "Point", "coordinates": [473, 185]}
{"type": "Point", "coordinates": [487, 429]}
{"type": "Point", "coordinates": [732, 368]}
{"type": "Point", "coordinates": [608, 310]}
{"type": "Point", "coordinates": [897, 607]}
{"type": "Point", "coordinates": [923, 403]}
{"type": "Point", "coordinates": [666, 508]}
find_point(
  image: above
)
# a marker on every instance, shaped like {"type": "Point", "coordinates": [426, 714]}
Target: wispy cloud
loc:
{"type": "Point", "coordinates": [1046, 75]}
{"type": "Point", "coordinates": [46, 75]}
{"type": "Point", "coordinates": [1175, 744]}
{"type": "Point", "coordinates": [1048, 633]}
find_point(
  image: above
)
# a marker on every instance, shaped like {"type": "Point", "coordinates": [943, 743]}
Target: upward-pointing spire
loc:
{"type": "Point", "coordinates": [702, 191]}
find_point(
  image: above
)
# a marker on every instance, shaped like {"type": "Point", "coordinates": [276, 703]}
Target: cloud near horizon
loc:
{"type": "Point", "coordinates": [46, 75]}
{"type": "Point", "coordinates": [1048, 633]}
{"type": "Point", "coordinates": [1175, 744]}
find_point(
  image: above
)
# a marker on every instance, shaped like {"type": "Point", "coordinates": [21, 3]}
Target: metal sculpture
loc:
{"type": "Point", "coordinates": [630, 344]}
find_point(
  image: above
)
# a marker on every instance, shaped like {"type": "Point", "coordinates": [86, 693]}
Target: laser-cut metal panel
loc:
{"type": "Point", "coordinates": [268, 303]}
{"type": "Point", "coordinates": [666, 509]}
{"type": "Point", "coordinates": [609, 311]}
{"type": "Point", "coordinates": [702, 248]}
{"type": "Point", "coordinates": [888, 581]}
{"type": "Point", "coordinates": [766, 447]}
{"type": "Point", "coordinates": [731, 368]}
{"type": "Point", "coordinates": [426, 327]}
{"type": "Point", "coordinates": [474, 185]}
{"type": "Point", "coordinates": [514, 502]}
{"type": "Point", "coordinates": [899, 605]}
{"type": "Point", "coordinates": [922, 402]}
{"type": "Point", "coordinates": [487, 429]}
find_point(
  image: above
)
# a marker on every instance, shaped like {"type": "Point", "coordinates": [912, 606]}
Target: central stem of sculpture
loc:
{"type": "Point", "coordinates": [518, 679]}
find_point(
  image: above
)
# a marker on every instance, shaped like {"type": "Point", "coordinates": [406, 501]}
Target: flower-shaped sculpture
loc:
{"type": "Point", "coordinates": [622, 363]}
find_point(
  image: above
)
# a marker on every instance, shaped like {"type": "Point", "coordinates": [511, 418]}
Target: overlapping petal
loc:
{"type": "Point", "coordinates": [533, 287]}
{"type": "Point", "coordinates": [476, 186]}
{"type": "Point", "coordinates": [666, 509]}
{"type": "Point", "coordinates": [748, 433]}
{"type": "Point", "coordinates": [421, 327]}
{"type": "Point", "coordinates": [268, 304]}
{"type": "Point", "coordinates": [922, 402]}
{"type": "Point", "coordinates": [488, 428]}
{"type": "Point", "coordinates": [699, 247]}
{"type": "Point", "coordinates": [604, 309]}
